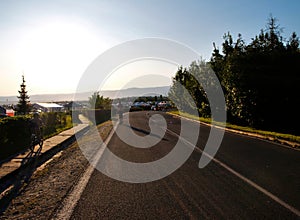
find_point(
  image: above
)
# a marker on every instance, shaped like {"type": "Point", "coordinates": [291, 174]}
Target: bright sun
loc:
{"type": "Point", "coordinates": [54, 56]}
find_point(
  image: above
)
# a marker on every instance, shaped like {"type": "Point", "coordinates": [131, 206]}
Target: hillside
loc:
{"type": "Point", "coordinates": [130, 92]}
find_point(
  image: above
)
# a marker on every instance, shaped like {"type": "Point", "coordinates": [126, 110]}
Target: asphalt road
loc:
{"type": "Point", "coordinates": [255, 180]}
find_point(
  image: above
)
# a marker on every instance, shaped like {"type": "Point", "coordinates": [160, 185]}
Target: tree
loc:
{"type": "Point", "coordinates": [260, 80]}
{"type": "Point", "coordinates": [293, 43]}
{"type": "Point", "coordinates": [99, 102]}
{"type": "Point", "coordinates": [23, 106]}
{"type": "Point", "coordinates": [178, 93]}
{"type": "Point", "coordinates": [187, 91]}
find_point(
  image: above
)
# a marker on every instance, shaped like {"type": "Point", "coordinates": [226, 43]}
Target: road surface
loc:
{"type": "Point", "coordinates": [249, 179]}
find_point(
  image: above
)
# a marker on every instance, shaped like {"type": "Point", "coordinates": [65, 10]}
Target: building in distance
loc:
{"type": "Point", "coordinates": [47, 107]}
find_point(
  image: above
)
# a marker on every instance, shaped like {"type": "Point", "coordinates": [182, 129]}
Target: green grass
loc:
{"type": "Point", "coordinates": [274, 136]}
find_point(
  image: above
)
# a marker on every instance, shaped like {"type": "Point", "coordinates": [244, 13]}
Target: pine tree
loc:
{"type": "Point", "coordinates": [24, 103]}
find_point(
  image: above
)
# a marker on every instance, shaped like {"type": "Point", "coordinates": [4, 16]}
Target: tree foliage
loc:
{"type": "Point", "coordinates": [15, 131]}
{"type": "Point", "coordinates": [23, 106]}
{"type": "Point", "coordinates": [260, 80]}
{"type": "Point", "coordinates": [187, 91]}
{"type": "Point", "coordinates": [99, 102]}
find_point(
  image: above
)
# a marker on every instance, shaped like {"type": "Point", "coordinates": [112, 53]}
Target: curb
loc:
{"type": "Point", "coordinates": [40, 159]}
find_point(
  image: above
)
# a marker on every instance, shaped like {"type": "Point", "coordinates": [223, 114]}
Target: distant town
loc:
{"type": "Point", "coordinates": [46, 103]}
{"type": "Point", "coordinates": [9, 110]}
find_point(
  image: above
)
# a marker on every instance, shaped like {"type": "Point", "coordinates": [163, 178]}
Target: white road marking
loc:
{"type": "Point", "coordinates": [245, 179]}
{"type": "Point", "coordinates": [237, 132]}
{"type": "Point", "coordinates": [72, 199]}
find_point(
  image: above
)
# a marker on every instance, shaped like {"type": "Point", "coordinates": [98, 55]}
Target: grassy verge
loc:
{"type": "Point", "coordinates": [104, 129]}
{"type": "Point", "coordinates": [288, 139]}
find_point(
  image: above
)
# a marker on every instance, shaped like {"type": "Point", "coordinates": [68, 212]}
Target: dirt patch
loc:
{"type": "Point", "coordinates": [49, 185]}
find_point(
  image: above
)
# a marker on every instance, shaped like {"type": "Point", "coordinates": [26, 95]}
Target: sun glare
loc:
{"type": "Point", "coordinates": [141, 73]}
{"type": "Point", "coordinates": [54, 56]}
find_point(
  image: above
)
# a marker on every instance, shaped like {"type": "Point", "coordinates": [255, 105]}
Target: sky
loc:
{"type": "Point", "coordinates": [53, 42]}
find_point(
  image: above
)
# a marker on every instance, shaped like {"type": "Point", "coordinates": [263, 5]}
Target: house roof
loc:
{"type": "Point", "coordinates": [48, 105]}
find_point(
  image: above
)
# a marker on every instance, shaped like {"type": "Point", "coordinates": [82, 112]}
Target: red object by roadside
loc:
{"type": "Point", "coordinates": [10, 112]}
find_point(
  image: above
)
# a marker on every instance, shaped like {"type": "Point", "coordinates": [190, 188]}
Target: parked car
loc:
{"type": "Point", "coordinates": [154, 108]}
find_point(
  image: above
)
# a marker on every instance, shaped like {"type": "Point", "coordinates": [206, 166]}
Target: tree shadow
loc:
{"type": "Point", "coordinates": [13, 185]}
{"type": "Point", "coordinates": [144, 132]}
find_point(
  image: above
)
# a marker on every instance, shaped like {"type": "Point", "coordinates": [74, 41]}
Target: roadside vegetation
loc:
{"type": "Point", "coordinates": [42, 195]}
{"type": "Point", "coordinates": [56, 122]}
{"type": "Point", "coordinates": [260, 81]}
{"type": "Point", "coordinates": [15, 131]}
{"type": "Point", "coordinates": [287, 139]}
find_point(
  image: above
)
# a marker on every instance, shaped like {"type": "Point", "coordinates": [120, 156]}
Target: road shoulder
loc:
{"type": "Point", "coordinates": [41, 196]}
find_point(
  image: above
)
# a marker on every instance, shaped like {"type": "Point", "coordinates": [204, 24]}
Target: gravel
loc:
{"type": "Point", "coordinates": [42, 195]}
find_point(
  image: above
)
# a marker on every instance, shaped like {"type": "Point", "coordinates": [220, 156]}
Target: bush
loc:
{"type": "Point", "coordinates": [15, 135]}
{"type": "Point", "coordinates": [97, 115]}
{"type": "Point", "coordinates": [15, 131]}
{"type": "Point", "coordinates": [54, 121]}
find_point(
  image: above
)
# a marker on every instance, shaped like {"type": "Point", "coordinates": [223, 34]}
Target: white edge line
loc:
{"type": "Point", "coordinates": [71, 200]}
{"type": "Point", "coordinates": [73, 197]}
{"type": "Point", "coordinates": [236, 132]}
{"type": "Point", "coordinates": [245, 179]}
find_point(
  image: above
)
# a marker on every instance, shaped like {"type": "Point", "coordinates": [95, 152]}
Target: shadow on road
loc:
{"type": "Point", "coordinates": [145, 132]}
{"type": "Point", "coordinates": [12, 187]}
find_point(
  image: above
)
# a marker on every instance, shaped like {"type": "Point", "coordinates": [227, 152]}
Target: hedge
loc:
{"type": "Point", "coordinates": [15, 131]}
{"type": "Point", "coordinates": [14, 135]}
{"type": "Point", "coordinates": [54, 121]}
{"type": "Point", "coordinates": [97, 115]}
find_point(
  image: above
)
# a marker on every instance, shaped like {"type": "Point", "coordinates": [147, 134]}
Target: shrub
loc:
{"type": "Point", "coordinates": [15, 131]}
{"type": "Point", "coordinates": [15, 135]}
{"type": "Point", "coordinates": [97, 115]}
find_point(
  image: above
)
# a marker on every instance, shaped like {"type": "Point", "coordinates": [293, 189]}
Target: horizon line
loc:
{"type": "Point", "coordinates": [69, 93]}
